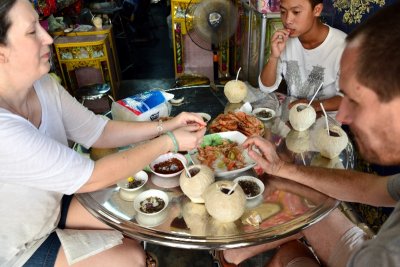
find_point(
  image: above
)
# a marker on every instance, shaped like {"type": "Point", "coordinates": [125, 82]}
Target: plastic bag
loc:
{"type": "Point", "coordinates": [146, 106]}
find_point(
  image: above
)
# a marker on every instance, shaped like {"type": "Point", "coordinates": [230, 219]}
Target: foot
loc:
{"type": "Point", "coordinates": [219, 259]}
{"type": "Point", "coordinates": [151, 260]}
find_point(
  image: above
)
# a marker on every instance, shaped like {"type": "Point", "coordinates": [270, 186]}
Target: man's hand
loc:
{"type": "Point", "coordinates": [268, 160]}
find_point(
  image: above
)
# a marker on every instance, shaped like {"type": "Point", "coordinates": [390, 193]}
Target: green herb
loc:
{"type": "Point", "coordinates": [212, 140]}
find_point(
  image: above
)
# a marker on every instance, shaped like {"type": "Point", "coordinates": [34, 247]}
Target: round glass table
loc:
{"type": "Point", "coordinates": [188, 225]}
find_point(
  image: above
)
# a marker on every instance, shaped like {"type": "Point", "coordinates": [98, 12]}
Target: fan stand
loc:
{"type": "Point", "coordinates": [213, 22]}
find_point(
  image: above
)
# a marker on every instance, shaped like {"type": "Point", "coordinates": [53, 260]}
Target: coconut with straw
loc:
{"type": "Point", "coordinates": [331, 139]}
{"type": "Point", "coordinates": [235, 90]}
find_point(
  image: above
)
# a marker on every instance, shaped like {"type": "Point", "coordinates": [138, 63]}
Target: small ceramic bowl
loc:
{"type": "Point", "coordinates": [154, 215]}
{"type": "Point", "coordinates": [129, 194]}
{"type": "Point", "coordinates": [264, 114]}
{"type": "Point", "coordinates": [168, 158]}
{"type": "Point", "coordinates": [252, 186]}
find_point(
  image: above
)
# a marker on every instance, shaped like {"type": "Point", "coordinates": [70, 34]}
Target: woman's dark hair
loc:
{"type": "Point", "coordinates": [5, 23]}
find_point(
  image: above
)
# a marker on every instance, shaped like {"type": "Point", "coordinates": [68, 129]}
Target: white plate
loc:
{"type": "Point", "coordinates": [257, 110]}
{"type": "Point", "coordinates": [233, 136]}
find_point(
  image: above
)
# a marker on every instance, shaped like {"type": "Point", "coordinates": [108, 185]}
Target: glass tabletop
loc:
{"type": "Point", "coordinates": [285, 206]}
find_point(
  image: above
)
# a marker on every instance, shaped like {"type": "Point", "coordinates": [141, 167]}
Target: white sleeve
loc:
{"type": "Point", "coordinates": [32, 159]}
{"type": "Point", "coordinates": [81, 125]}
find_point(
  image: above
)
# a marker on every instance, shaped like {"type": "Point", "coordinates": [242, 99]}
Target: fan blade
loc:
{"type": "Point", "coordinates": [214, 21]}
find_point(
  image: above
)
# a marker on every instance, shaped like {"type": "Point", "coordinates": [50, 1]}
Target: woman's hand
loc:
{"type": "Point", "coordinates": [189, 137]}
{"type": "Point", "coordinates": [186, 119]}
{"type": "Point", "coordinates": [268, 160]}
{"type": "Point", "coordinates": [278, 42]}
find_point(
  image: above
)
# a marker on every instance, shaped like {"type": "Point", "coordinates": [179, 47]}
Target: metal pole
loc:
{"type": "Point", "coordinates": [249, 36]}
{"type": "Point", "coordinates": [262, 42]}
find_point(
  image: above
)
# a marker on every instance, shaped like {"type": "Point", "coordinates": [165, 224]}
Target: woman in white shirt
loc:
{"type": "Point", "coordinates": [37, 118]}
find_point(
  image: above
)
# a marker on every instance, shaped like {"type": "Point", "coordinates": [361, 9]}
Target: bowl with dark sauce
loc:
{"type": "Point", "coordinates": [264, 114]}
{"type": "Point", "coordinates": [151, 206]}
{"type": "Point", "coordinates": [252, 186]}
{"type": "Point", "coordinates": [168, 165]}
{"type": "Point", "coordinates": [130, 187]}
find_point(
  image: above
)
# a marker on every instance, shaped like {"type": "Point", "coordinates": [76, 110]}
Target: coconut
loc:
{"type": "Point", "coordinates": [302, 117]}
{"type": "Point", "coordinates": [220, 205]}
{"type": "Point", "coordinates": [196, 217]}
{"type": "Point", "coordinates": [194, 186]}
{"type": "Point", "coordinates": [298, 142]}
{"type": "Point", "coordinates": [218, 228]}
{"type": "Point", "coordinates": [319, 161]}
{"type": "Point", "coordinates": [331, 145]}
{"type": "Point", "coordinates": [235, 91]}
{"type": "Point", "coordinates": [232, 107]}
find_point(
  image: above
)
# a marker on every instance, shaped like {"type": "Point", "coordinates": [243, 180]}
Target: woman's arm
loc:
{"type": "Point", "coordinates": [121, 133]}
{"type": "Point", "coordinates": [109, 169]}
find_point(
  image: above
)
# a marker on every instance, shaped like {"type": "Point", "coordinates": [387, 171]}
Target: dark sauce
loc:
{"type": "Point", "coordinates": [333, 134]}
{"type": "Point", "coordinates": [250, 188]}
{"type": "Point", "coordinates": [169, 166]}
{"type": "Point", "coordinates": [264, 114]}
{"type": "Point", "coordinates": [134, 184]}
{"type": "Point", "coordinates": [194, 171]}
{"type": "Point", "coordinates": [152, 205]}
{"type": "Point", "coordinates": [226, 190]}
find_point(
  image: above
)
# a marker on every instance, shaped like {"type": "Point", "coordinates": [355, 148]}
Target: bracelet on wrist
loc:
{"type": "Point", "coordinates": [174, 141]}
{"type": "Point", "coordinates": [160, 128]}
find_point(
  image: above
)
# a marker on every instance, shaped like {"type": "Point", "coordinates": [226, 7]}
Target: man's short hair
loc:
{"type": "Point", "coordinates": [378, 62]}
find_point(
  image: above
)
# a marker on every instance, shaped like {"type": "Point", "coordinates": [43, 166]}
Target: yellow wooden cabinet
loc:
{"type": "Point", "coordinates": [86, 51]}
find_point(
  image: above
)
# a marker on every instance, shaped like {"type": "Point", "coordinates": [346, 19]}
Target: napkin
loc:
{"type": "Point", "coordinates": [81, 244]}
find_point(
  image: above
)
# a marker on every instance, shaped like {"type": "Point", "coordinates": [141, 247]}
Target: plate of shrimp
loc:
{"type": "Point", "coordinates": [237, 121]}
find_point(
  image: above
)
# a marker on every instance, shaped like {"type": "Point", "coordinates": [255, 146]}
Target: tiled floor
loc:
{"type": "Point", "coordinates": [149, 65]}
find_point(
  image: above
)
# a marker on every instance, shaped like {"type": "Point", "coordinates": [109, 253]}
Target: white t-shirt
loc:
{"type": "Point", "coordinates": [38, 167]}
{"type": "Point", "coordinates": [305, 69]}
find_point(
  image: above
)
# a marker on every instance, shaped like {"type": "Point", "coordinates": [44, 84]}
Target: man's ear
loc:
{"type": "Point", "coordinates": [318, 9]}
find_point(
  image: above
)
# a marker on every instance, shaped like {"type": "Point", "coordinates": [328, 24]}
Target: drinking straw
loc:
{"type": "Point", "coordinates": [312, 99]}
{"type": "Point", "coordinates": [186, 170]}
{"type": "Point", "coordinates": [326, 117]}
{"type": "Point", "coordinates": [237, 75]}
{"type": "Point", "coordinates": [233, 188]}
{"type": "Point", "coordinates": [302, 158]}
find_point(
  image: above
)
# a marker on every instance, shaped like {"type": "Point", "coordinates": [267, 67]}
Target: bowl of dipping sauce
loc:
{"type": "Point", "coordinates": [130, 187]}
{"type": "Point", "coordinates": [252, 186]}
{"type": "Point", "coordinates": [168, 165]}
{"type": "Point", "coordinates": [264, 114]}
{"type": "Point", "coordinates": [151, 207]}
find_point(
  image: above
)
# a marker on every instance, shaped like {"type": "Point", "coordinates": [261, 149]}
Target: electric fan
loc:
{"type": "Point", "coordinates": [210, 23]}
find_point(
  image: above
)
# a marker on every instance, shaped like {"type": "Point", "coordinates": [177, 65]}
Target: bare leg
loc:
{"type": "Point", "coordinates": [291, 251]}
{"type": "Point", "coordinates": [236, 256]}
{"type": "Point", "coordinates": [325, 235]}
{"type": "Point", "coordinates": [80, 218]}
{"type": "Point", "coordinates": [129, 253]}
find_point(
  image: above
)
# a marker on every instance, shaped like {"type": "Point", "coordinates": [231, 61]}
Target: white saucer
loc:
{"type": "Point", "coordinates": [151, 221]}
{"type": "Point", "coordinates": [164, 182]}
